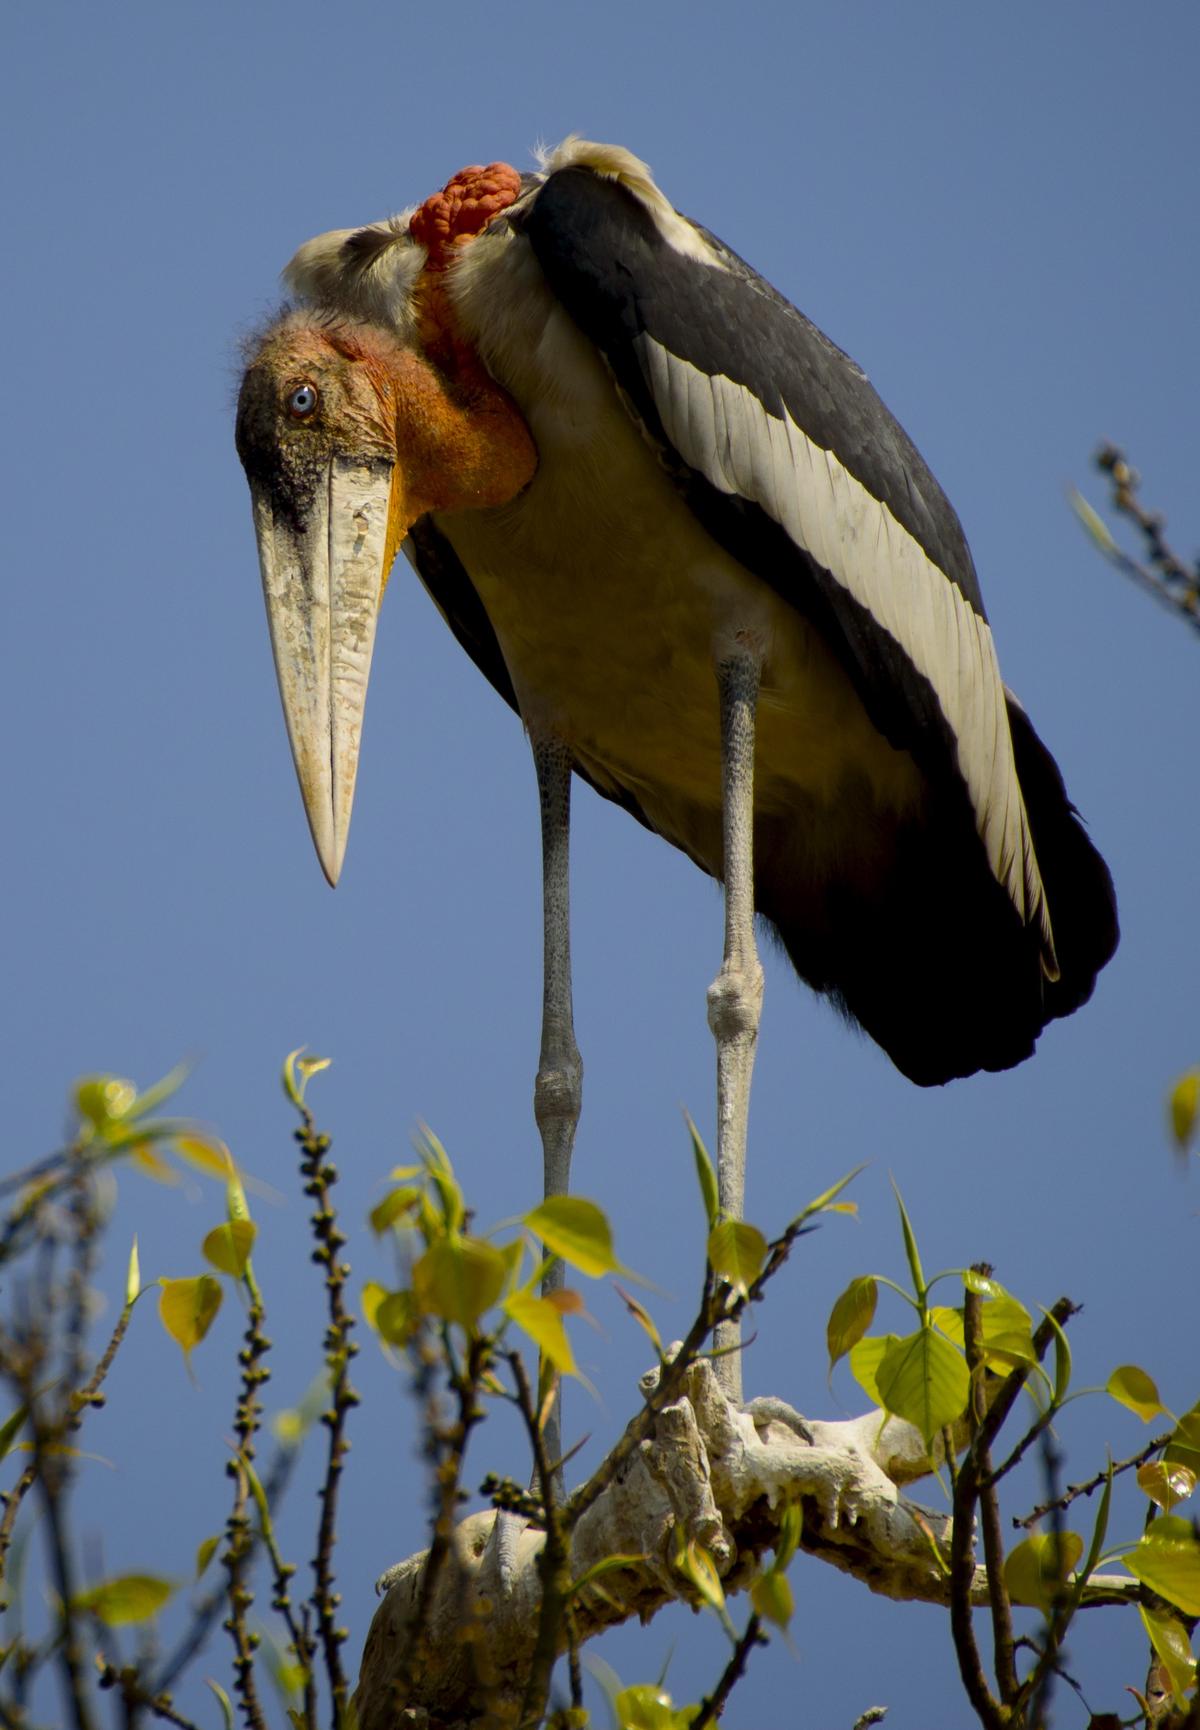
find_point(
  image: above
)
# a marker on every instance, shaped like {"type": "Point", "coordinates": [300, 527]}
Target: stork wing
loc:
{"type": "Point", "coordinates": [785, 453]}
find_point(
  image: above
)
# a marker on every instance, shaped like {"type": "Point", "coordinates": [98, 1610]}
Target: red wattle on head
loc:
{"type": "Point", "coordinates": [464, 206]}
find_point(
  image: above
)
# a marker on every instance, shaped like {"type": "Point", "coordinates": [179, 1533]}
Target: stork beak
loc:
{"type": "Point", "coordinates": [323, 580]}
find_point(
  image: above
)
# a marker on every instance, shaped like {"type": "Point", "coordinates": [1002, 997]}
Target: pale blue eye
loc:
{"type": "Point", "coordinates": [302, 401]}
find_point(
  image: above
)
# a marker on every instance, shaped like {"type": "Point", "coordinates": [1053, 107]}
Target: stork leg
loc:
{"type": "Point", "coordinates": [735, 995]}
{"type": "Point", "coordinates": [558, 1089]}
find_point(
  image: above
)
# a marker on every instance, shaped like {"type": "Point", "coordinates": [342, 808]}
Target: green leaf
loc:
{"type": "Point", "coordinates": [205, 1553]}
{"type": "Point", "coordinates": [228, 1246]}
{"type": "Point", "coordinates": [1170, 1640]}
{"type": "Point", "coordinates": [850, 1317]}
{"type": "Point", "coordinates": [736, 1253]}
{"type": "Point", "coordinates": [540, 1319]}
{"type": "Point", "coordinates": [1167, 1484]}
{"type": "Point", "coordinates": [187, 1309]}
{"type": "Point", "coordinates": [1036, 1571]}
{"type": "Point", "coordinates": [698, 1568]}
{"type": "Point", "coordinates": [578, 1231]}
{"type": "Point", "coordinates": [705, 1175]}
{"type": "Point", "coordinates": [924, 1380]}
{"type": "Point", "coordinates": [641, 1316]}
{"type": "Point", "coordinates": [827, 1201]}
{"type": "Point", "coordinates": [1168, 1561]}
{"type": "Point", "coordinates": [644, 1707]}
{"type": "Point", "coordinates": [1184, 1108]}
{"type": "Point", "coordinates": [910, 1248]}
{"type": "Point", "coordinates": [397, 1317]}
{"type": "Point", "coordinates": [865, 1359]}
{"type": "Point", "coordinates": [1062, 1358]}
{"type": "Point", "coordinates": [298, 1071]}
{"type": "Point", "coordinates": [1092, 522]}
{"type": "Point", "coordinates": [771, 1596]}
{"type": "Point", "coordinates": [395, 1204]}
{"type": "Point", "coordinates": [125, 1598]}
{"type": "Point", "coordinates": [206, 1153]}
{"type": "Point", "coordinates": [606, 1565]}
{"type": "Point", "coordinates": [1132, 1387]}
{"type": "Point", "coordinates": [11, 1428]}
{"type": "Point", "coordinates": [223, 1701]}
{"type": "Point", "coordinates": [104, 1099]}
{"type": "Point", "coordinates": [1184, 1446]}
{"type": "Point", "coordinates": [438, 1169]}
{"type": "Point", "coordinates": [983, 1285]}
{"type": "Point", "coordinates": [458, 1278]}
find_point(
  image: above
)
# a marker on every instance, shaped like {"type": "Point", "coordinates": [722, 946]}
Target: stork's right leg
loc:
{"type": "Point", "coordinates": [735, 995]}
{"type": "Point", "coordinates": [558, 1090]}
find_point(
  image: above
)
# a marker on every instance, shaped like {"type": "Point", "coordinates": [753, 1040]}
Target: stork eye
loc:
{"type": "Point", "coordinates": [303, 401]}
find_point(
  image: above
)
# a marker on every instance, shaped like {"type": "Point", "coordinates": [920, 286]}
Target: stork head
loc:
{"type": "Point", "coordinates": [347, 435]}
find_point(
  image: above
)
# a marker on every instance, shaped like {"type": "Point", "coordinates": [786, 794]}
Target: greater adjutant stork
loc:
{"type": "Point", "coordinates": [678, 531]}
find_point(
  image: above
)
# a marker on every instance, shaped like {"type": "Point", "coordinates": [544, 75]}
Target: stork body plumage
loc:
{"type": "Point", "coordinates": [725, 559]}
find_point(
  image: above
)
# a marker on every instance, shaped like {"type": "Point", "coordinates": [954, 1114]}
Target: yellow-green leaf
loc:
{"type": "Point", "coordinates": [578, 1231]}
{"type": "Point", "coordinates": [458, 1278]}
{"type": "Point", "coordinates": [1170, 1640]}
{"type": "Point", "coordinates": [540, 1319]}
{"type": "Point", "coordinates": [11, 1428]}
{"type": "Point", "coordinates": [827, 1201]}
{"type": "Point", "coordinates": [1184, 1107]}
{"type": "Point", "coordinates": [1168, 1561]}
{"type": "Point", "coordinates": [771, 1596]}
{"type": "Point", "coordinates": [125, 1598]}
{"type": "Point", "coordinates": [395, 1204]}
{"type": "Point", "coordinates": [441, 1174]}
{"type": "Point", "coordinates": [850, 1317]}
{"type": "Point", "coordinates": [397, 1317]}
{"type": "Point", "coordinates": [910, 1246]}
{"type": "Point", "coordinates": [644, 1707]}
{"type": "Point", "coordinates": [865, 1359]}
{"type": "Point", "coordinates": [205, 1553]}
{"type": "Point", "coordinates": [1166, 1483]}
{"type": "Point", "coordinates": [736, 1253]}
{"type": "Point", "coordinates": [133, 1275]}
{"type": "Point", "coordinates": [1092, 522]}
{"type": "Point", "coordinates": [641, 1316]}
{"type": "Point", "coordinates": [151, 1163]}
{"type": "Point", "coordinates": [1184, 1447]}
{"type": "Point", "coordinates": [706, 1176]}
{"type": "Point", "coordinates": [1132, 1387]}
{"type": "Point", "coordinates": [104, 1099]}
{"type": "Point", "coordinates": [697, 1566]}
{"type": "Point", "coordinates": [924, 1380]}
{"type": "Point", "coordinates": [373, 1295]}
{"type": "Point", "coordinates": [228, 1246]}
{"type": "Point", "coordinates": [207, 1153]}
{"type": "Point", "coordinates": [1036, 1571]}
{"type": "Point", "coordinates": [298, 1070]}
{"type": "Point", "coordinates": [187, 1308]}
{"type": "Point", "coordinates": [223, 1701]}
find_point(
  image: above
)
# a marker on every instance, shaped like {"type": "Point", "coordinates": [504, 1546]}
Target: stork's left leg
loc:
{"type": "Point", "coordinates": [558, 1090]}
{"type": "Point", "coordinates": [735, 996]}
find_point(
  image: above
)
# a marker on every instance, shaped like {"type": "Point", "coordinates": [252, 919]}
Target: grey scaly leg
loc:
{"type": "Point", "coordinates": [558, 1090]}
{"type": "Point", "coordinates": [735, 996]}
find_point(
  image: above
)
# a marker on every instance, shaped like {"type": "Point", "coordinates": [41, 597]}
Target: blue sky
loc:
{"type": "Point", "coordinates": [994, 211]}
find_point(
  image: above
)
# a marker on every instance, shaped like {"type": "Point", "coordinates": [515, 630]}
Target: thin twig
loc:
{"type": "Point", "coordinates": [445, 1448]}
{"type": "Point", "coordinates": [553, 1562]}
{"type": "Point", "coordinates": [712, 1706]}
{"type": "Point", "coordinates": [134, 1694]}
{"type": "Point", "coordinates": [206, 1612]}
{"type": "Point", "coordinates": [12, 1504]}
{"type": "Point", "coordinates": [239, 1534]}
{"type": "Point", "coordinates": [320, 1175]}
{"type": "Point", "coordinates": [1074, 1491]}
{"type": "Point", "coordinates": [989, 1505]}
{"type": "Point", "coordinates": [1164, 575]}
